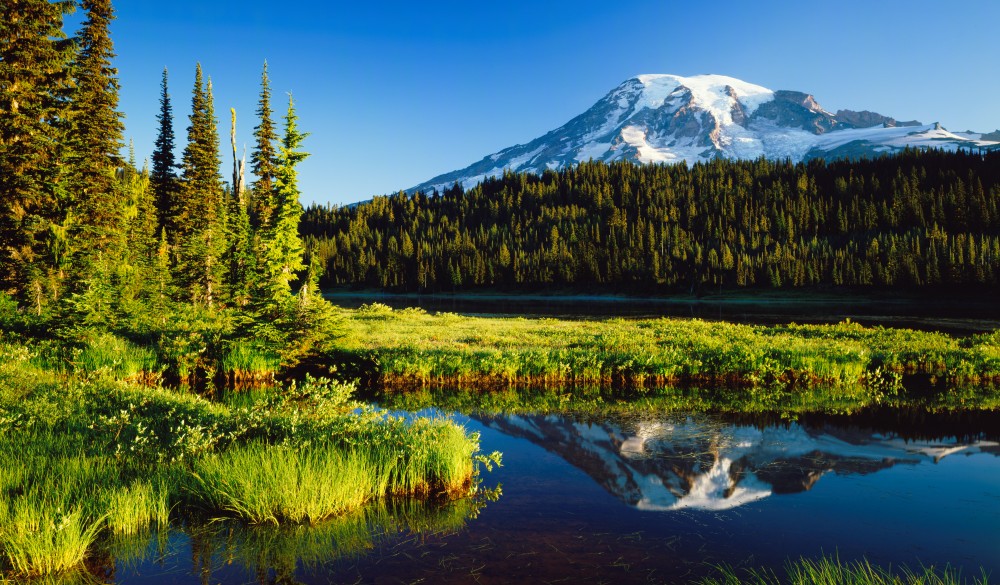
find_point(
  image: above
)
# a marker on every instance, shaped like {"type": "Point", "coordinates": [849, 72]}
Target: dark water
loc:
{"type": "Point", "coordinates": [647, 499]}
{"type": "Point", "coordinates": [948, 314]}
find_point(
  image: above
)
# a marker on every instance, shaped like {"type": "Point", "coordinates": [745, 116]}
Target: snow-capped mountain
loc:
{"type": "Point", "coordinates": [671, 119]}
{"type": "Point", "coordinates": [704, 464]}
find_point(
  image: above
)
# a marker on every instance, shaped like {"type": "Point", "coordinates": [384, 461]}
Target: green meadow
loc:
{"type": "Point", "coordinates": [87, 458]}
{"type": "Point", "coordinates": [414, 348]}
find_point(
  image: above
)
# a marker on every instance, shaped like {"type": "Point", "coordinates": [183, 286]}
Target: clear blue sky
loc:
{"type": "Point", "coordinates": [396, 92]}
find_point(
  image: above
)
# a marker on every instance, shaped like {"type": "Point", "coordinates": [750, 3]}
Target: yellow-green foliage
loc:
{"type": "Point", "coordinates": [832, 571]}
{"type": "Point", "coordinates": [94, 459]}
{"type": "Point", "coordinates": [275, 485]}
{"type": "Point", "coordinates": [418, 345]}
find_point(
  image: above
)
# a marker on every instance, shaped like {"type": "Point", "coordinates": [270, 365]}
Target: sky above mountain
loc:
{"type": "Point", "coordinates": [395, 93]}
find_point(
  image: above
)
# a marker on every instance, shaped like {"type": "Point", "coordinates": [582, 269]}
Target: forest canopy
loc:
{"type": "Point", "coordinates": [914, 219]}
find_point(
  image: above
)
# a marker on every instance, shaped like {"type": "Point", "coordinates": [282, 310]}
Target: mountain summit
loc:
{"type": "Point", "coordinates": [670, 119]}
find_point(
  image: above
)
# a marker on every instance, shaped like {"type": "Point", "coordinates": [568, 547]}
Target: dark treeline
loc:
{"type": "Point", "coordinates": [85, 233]}
{"type": "Point", "coordinates": [913, 219]}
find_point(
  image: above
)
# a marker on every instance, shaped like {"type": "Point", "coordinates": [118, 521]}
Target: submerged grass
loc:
{"type": "Point", "coordinates": [832, 571]}
{"type": "Point", "coordinates": [413, 346]}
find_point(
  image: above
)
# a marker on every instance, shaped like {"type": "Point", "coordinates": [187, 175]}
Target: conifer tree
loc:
{"type": "Point", "coordinates": [163, 177]}
{"type": "Point", "coordinates": [283, 246]}
{"type": "Point", "coordinates": [97, 133]}
{"type": "Point", "coordinates": [263, 159]}
{"type": "Point", "coordinates": [199, 212]}
{"type": "Point", "coordinates": [34, 86]}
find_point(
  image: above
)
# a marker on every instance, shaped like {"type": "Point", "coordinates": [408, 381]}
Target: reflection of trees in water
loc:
{"type": "Point", "coordinates": [707, 462]}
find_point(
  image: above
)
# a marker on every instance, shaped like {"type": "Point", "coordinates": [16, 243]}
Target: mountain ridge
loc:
{"type": "Point", "coordinates": [661, 118]}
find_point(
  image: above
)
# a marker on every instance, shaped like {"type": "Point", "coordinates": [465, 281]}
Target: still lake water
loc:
{"type": "Point", "coordinates": [651, 498]}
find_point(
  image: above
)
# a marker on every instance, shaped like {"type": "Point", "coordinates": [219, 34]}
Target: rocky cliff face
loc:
{"type": "Point", "coordinates": [673, 119]}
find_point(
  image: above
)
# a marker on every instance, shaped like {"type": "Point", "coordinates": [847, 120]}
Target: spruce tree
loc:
{"type": "Point", "coordinates": [199, 210]}
{"type": "Point", "coordinates": [283, 245]}
{"type": "Point", "coordinates": [263, 159]}
{"type": "Point", "coordinates": [97, 124]}
{"type": "Point", "coordinates": [163, 177]}
{"type": "Point", "coordinates": [35, 85]}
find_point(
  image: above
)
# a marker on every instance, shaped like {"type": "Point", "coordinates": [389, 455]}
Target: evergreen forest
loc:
{"type": "Point", "coordinates": [91, 241]}
{"type": "Point", "coordinates": [920, 218]}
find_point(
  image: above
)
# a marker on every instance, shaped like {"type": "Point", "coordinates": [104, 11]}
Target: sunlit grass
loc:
{"type": "Point", "coordinates": [275, 485]}
{"type": "Point", "coordinates": [90, 463]}
{"type": "Point", "coordinates": [416, 346]}
{"type": "Point", "coordinates": [40, 537]}
{"type": "Point", "coordinates": [832, 571]}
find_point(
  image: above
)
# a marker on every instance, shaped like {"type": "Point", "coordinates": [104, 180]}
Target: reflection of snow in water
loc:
{"type": "Point", "coordinates": [704, 465]}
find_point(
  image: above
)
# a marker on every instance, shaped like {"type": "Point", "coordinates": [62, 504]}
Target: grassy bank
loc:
{"type": "Point", "coordinates": [86, 459]}
{"type": "Point", "coordinates": [411, 347]}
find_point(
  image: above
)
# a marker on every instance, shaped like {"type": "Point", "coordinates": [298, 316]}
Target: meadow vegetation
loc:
{"type": "Point", "coordinates": [88, 459]}
{"type": "Point", "coordinates": [413, 347]}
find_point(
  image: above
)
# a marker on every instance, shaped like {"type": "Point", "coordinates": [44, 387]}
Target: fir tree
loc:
{"type": "Point", "coordinates": [163, 178]}
{"type": "Point", "coordinates": [263, 159]}
{"type": "Point", "coordinates": [34, 86]}
{"type": "Point", "coordinates": [97, 130]}
{"type": "Point", "coordinates": [283, 246]}
{"type": "Point", "coordinates": [199, 213]}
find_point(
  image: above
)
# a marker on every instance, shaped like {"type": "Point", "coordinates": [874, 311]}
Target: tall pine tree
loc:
{"type": "Point", "coordinates": [263, 159]}
{"type": "Point", "coordinates": [199, 212]}
{"type": "Point", "coordinates": [35, 85]}
{"type": "Point", "coordinates": [283, 245]}
{"type": "Point", "coordinates": [95, 142]}
{"type": "Point", "coordinates": [163, 177]}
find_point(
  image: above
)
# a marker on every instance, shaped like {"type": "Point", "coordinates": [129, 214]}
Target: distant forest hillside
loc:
{"type": "Point", "coordinates": [913, 219]}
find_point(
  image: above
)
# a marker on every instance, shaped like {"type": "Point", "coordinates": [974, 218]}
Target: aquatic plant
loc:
{"type": "Point", "coordinates": [832, 571]}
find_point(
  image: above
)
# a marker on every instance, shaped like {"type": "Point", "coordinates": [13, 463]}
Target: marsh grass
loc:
{"type": "Point", "coordinates": [40, 537]}
{"type": "Point", "coordinates": [413, 346]}
{"type": "Point", "coordinates": [108, 354]}
{"type": "Point", "coordinates": [275, 484]}
{"type": "Point", "coordinates": [249, 362]}
{"type": "Point", "coordinates": [832, 571]}
{"type": "Point", "coordinates": [280, 484]}
{"type": "Point", "coordinates": [87, 462]}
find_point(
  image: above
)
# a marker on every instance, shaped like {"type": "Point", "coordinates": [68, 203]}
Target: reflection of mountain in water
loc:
{"type": "Point", "coordinates": [702, 463]}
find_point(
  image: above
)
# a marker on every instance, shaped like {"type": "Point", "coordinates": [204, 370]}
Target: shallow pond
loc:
{"type": "Point", "coordinates": [648, 498]}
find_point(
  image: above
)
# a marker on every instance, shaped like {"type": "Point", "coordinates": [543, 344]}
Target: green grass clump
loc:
{"type": "Point", "coordinates": [275, 484]}
{"type": "Point", "coordinates": [245, 361]}
{"type": "Point", "coordinates": [831, 571]}
{"type": "Point", "coordinates": [111, 355]}
{"type": "Point", "coordinates": [40, 537]}
{"type": "Point", "coordinates": [135, 508]}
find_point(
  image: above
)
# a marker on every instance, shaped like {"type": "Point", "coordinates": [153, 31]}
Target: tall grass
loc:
{"type": "Point", "coordinates": [275, 484]}
{"type": "Point", "coordinates": [39, 537]}
{"type": "Point", "coordinates": [108, 354]}
{"type": "Point", "coordinates": [247, 361]}
{"type": "Point", "coordinates": [86, 462]}
{"type": "Point", "coordinates": [832, 571]}
{"type": "Point", "coordinates": [278, 484]}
